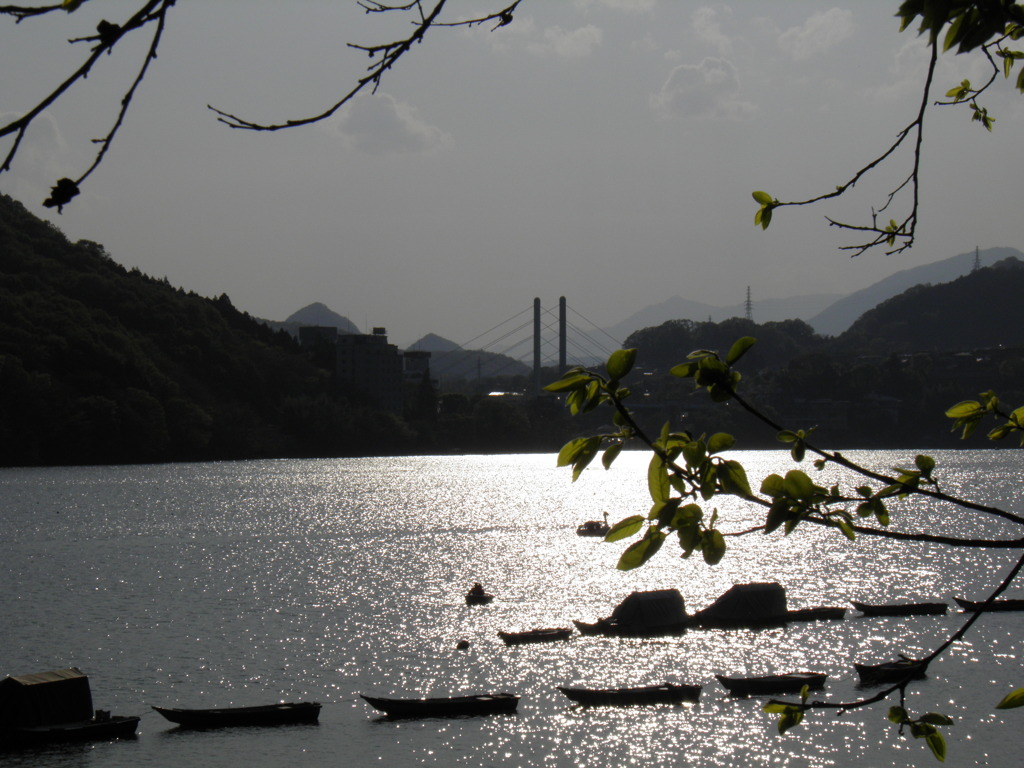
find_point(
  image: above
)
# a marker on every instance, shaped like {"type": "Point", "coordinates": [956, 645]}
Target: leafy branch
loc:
{"type": "Point", "coordinates": [970, 26]}
{"type": "Point", "coordinates": [686, 471]}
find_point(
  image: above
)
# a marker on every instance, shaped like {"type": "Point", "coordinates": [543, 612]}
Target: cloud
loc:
{"type": "Point", "coordinates": [629, 6]}
{"type": "Point", "coordinates": [525, 35]}
{"type": "Point", "coordinates": [707, 24]}
{"type": "Point", "coordinates": [820, 33]}
{"type": "Point", "coordinates": [566, 44]}
{"type": "Point", "coordinates": [381, 125]}
{"type": "Point", "coordinates": [707, 90]}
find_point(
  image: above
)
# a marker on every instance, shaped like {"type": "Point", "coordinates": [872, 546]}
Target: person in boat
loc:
{"type": "Point", "coordinates": [477, 590]}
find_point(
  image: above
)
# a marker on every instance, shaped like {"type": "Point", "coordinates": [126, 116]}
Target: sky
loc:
{"type": "Point", "coordinates": [601, 150]}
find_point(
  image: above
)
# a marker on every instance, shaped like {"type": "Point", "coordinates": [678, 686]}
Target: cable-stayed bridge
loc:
{"type": "Point", "coordinates": [536, 338]}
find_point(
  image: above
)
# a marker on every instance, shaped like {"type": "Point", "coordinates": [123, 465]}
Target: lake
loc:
{"type": "Point", "coordinates": [238, 583]}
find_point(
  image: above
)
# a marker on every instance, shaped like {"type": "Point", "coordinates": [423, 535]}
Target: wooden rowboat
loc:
{"type": "Point", "coordinates": [900, 609]}
{"type": "Point", "coordinates": [453, 706]}
{"type": "Point", "coordinates": [545, 635]}
{"type": "Point", "coordinates": [667, 693]}
{"type": "Point", "coordinates": [270, 714]}
{"type": "Point", "coordinates": [889, 671]}
{"type": "Point", "coordinates": [100, 728]}
{"type": "Point", "coordinates": [789, 682]}
{"type": "Point", "coordinates": [1005, 604]}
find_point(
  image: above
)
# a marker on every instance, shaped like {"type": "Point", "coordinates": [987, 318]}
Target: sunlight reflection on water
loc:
{"type": "Point", "coordinates": [239, 583]}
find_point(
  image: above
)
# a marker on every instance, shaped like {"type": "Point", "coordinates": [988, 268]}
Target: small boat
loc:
{"type": "Point", "coordinates": [545, 635]}
{"type": "Point", "coordinates": [824, 613]}
{"type": "Point", "coordinates": [889, 671]}
{"type": "Point", "coordinates": [667, 693]}
{"type": "Point", "coordinates": [270, 714]}
{"type": "Point", "coordinates": [1005, 604]}
{"type": "Point", "coordinates": [56, 706]}
{"type": "Point", "coordinates": [477, 596]}
{"type": "Point", "coordinates": [594, 527]}
{"type": "Point", "coordinates": [790, 682]}
{"type": "Point", "coordinates": [102, 727]}
{"type": "Point", "coordinates": [599, 627]}
{"type": "Point", "coordinates": [453, 706]}
{"type": "Point", "coordinates": [900, 609]}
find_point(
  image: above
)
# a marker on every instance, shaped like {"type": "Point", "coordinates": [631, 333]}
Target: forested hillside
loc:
{"type": "Point", "coordinates": [102, 364]}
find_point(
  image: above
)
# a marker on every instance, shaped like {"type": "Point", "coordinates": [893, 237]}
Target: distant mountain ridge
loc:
{"type": "Point", "coordinates": [843, 313]}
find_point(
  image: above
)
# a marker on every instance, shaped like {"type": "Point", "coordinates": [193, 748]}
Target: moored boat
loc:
{"type": "Point", "coordinates": [789, 682]}
{"type": "Point", "coordinates": [269, 714]}
{"type": "Point", "coordinates": [543, 635]}
{"type": "Point", "coordinates": [102, 727]}
{"type": "Point", "coordinates": [1003, 604]}
{"type": "Point", "coordinates": [477, 595]}
{"type": "Point", "coordinates": [594, 527]}
{"type": "Point", "coordinates": [56, 706]}
{"type": "Point", "coordinates": [452, 706]}
{"type": "Point", "coordinates": [900, 609]}
{"type": "Point", "coordinates": [823, 613]}
{"type": "Point", "coordinates": [890, 671]}
{"type": "Point", "coordinates": [666, 693]}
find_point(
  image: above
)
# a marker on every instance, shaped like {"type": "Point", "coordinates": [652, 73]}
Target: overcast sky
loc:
{"type": "Point", "coordinates": [604, 150]}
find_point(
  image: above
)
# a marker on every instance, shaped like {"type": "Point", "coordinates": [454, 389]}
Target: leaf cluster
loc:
{"type": "Point", "coordinates": [925, 727]}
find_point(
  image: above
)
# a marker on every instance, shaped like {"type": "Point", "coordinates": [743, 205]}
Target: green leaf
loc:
{"type": "Point", "coordinates": [620, 363]}
{"type": "Point", "coordinates": [733, 477]}
{"type": "Point", "coordinates": [639, 553]}
{"type": "Point", "coordinates": [773, 485]}
{"type": "Point", "coordinates": [567, 455]}
{"type": "Point", "coordinates": [611, 454]}
{"type": "Point", "coordinates": [924, 463]}
{"type": "Point", "coordinates": [964, 409]}
{"type": "Point", "coordinates": [713, 547]}
{"type": "Point", "coordinates": [625, 528]}
{"type": "Point", "coordinates": [763, 198]}
{"type": "Point", "coordinates": [898, 715]}
{"type": "Point", "coordinates": [935, 718]}
{"type": "Point", "coordinates": [575, 381]}
{"type": "Point", "coordinates": [720, 441]}
{"type": "Point", "coordinates": [739, 348]}
{"type": "Point", "coordinates": [847, 530]}
{"type": "Point", "coordinates": [798, 485]}
{"type": "Point", "coordinates": [1012, 700]}
{"type": "Point", "coordinates": [937, 744]}
{"type": "Point", "coordinates": [777, 515]}
{"type": "Point", "coordinates": [684, 370]}
{"type": "Point", "coordinates": [657, 479]}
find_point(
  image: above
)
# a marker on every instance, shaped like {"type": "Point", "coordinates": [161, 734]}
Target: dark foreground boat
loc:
{"type": "Point", "coordinates": [102, 727]}
{"type": "Point", "coordinates": [889, 671]}
{"type": "Point", "coordinates": [270, 714]}
{"type": "Point", "coordinates": [823, 613]}
{"type": "Point", "coordinates": [454, 706]}
{"type": "Point", "coordinates": [900, 609]}
{"type": "Point", "coordinates": [55, 706]}
{"type": "Point", "coordinates": [668, 693]}
{"type": "Point", "coordinates": [545, 635]}
{"type": "Point", "coordinates": [790, 682]}
{"type": "Point", "coordinates": [1013, 604]}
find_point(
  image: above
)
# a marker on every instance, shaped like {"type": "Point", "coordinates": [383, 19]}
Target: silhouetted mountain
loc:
{"type": "Point", "coordinates": [434, 343]}
{"type": "Point", "coordinates": [677, 308]}
{"type": "Point", "coordinates": [471, 364]}
{"type": "Point", "coordinates": [320, 314]}
{"type": "Point", "coordinates": [980, 310]}
{"type": "Point", "coordinates": [101, 364]}
{"type": "Point", "coordinates": [842, 314]}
